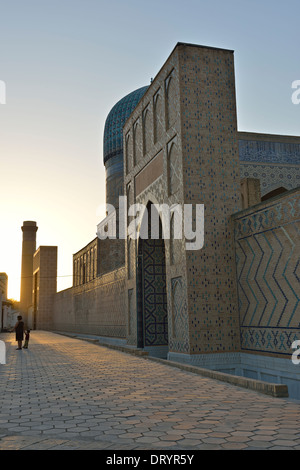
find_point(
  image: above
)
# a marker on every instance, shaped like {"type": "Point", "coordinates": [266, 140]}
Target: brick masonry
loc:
{"type": "Point", "coordinates": [195, 90]}
{"type": "Point", "coordinates": [44, 287]}
{"type": "Point", "coordinates": [96, 308]}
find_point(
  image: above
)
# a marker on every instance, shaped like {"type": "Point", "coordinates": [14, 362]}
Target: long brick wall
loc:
{"type": "Point", "coordinates": [267, 243]}
{"type": "Point", "coordinates": [95, 308]}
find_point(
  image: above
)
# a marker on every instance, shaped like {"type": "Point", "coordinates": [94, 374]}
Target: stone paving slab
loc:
{"type": "Point", "coordinates": [273, 389]}
{"type": "Point", "coordinates": [67, 394]}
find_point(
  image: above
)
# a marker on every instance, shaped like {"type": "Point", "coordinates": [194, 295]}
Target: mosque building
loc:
{"type": "Point", "coordinates": [234, 304]}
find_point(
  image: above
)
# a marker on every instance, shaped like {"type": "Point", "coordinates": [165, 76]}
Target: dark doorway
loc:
{"type": "Point", "coordinates": [152, 313]}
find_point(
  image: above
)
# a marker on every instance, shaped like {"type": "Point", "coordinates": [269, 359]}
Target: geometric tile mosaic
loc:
{"type": "Point", "coordinates": [272, 176]}
{"type": "Point", "coordinates": [154, 293]}
{"type": "Point", "coordinates": [269, 152]}
{"type": "Point", "coordinates": [267, 256]}
{"type": "Point", "coordinates": [179, 338]}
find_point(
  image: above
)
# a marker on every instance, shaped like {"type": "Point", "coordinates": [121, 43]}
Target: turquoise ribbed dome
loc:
{"type": "Point", "coordinates": [113, 131]}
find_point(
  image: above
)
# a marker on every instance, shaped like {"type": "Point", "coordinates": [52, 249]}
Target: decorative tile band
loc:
{"type": "Point", "coordinates": [272, 176]}
{"type": "Point", "coordinates": [273, 340]}
{"type": "Point", "coordinates": [269, 152]}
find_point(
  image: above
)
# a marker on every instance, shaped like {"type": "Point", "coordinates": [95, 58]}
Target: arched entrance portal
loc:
{"type": "Point", "coordinates": [152, 313]}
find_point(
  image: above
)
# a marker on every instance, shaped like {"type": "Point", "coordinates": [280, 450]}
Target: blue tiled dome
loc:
{"type": "Point", "coordinates": [113, 131]}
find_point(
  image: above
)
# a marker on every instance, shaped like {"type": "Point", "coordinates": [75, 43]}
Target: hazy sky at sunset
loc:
{"type": "Point", "coordinates": [67, 62]}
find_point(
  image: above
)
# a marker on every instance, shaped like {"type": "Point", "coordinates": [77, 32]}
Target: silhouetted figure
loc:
{"type": "Point", "coordinates": [19, 329]}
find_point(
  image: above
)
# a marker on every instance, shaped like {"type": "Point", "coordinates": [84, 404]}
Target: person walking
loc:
{"type": "Point", "coordinates": [19, 329]}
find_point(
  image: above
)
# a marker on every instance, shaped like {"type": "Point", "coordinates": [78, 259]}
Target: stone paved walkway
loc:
{"type": "Point", "coordinates": [64, 393]}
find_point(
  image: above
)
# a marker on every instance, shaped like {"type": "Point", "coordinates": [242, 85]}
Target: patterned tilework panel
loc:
{"type": "Point", "coordinates": [269, 339]}
{"type": "Point", "coordinates": [211, 173]}
{"type": "Point", "coordinates": [268, 255]}
{"type": "Point", "coordinates": [155, 295]}
{"type": "Point", "coordinates": [272, 176]}
{"type": "Point", "coordinates": [131, 312]}
{"type": "Point", "coordinates": [179, 337]}
{"type": "Point", "coordinates": [269, 152]}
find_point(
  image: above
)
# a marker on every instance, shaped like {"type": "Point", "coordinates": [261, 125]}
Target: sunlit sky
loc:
{"type": "Point", "coordinates": [65, 63]}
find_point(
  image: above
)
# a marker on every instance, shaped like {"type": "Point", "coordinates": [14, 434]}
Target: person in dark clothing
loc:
{"type": "Point", "coordinates": [19, 329]}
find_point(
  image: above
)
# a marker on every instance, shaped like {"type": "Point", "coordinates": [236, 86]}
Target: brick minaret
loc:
{"type": "Point", "coordinates": [29, 230]}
